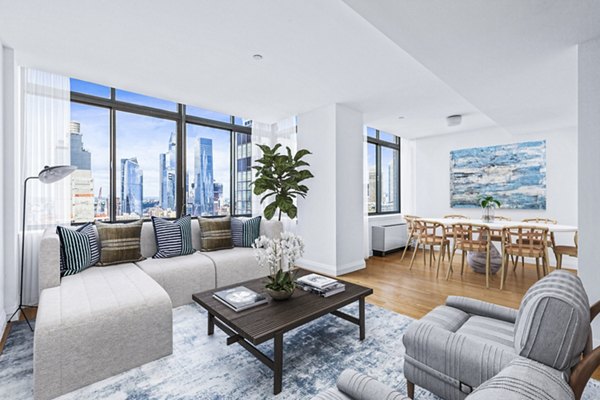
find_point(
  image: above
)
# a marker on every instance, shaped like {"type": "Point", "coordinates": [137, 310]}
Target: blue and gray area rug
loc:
{"type": "Point", "coordinates": [203, 367]}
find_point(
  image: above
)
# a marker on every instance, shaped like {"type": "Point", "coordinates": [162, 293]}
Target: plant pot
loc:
{"type": "Point", "coordinates": [279, 295]}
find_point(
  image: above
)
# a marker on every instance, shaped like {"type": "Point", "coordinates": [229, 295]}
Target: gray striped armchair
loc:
{"type": "Point", "coordinates": [458, 348]}
{"type": "Point", "coordinates": [480, 351]}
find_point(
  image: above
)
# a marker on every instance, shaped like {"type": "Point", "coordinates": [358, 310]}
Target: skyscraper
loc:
{"type": "Point", "coordinates": [167, 177]}
{"type": "Point", "coordinates": [82, 182]}
{"type": "Point", "coordinates": [132, 186]}
{"type": "Point", "coordinates": [203, 177]}
{"type": "Point", "coordinates": [80, 157]}
{"type": "Point", "coordinates": [243, 174]}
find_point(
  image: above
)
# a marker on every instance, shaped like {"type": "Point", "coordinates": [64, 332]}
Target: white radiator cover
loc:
{"type": "Point", "coordinates": [388, 238]}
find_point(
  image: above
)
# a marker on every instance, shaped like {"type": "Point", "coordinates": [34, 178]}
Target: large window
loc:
{"type": "Point", "coordinates": [139, 156]}
{"type": "Point", "coordinates": [383, 156]}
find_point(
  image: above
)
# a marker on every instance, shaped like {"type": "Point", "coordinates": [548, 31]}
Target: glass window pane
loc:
{"type": "Point", "coordinates": [371, 132]}
{"type": "Point", "coordinates": [388, 137]}
{"type": "Point", "coordinates": [243, 174]}
{"type": "Point", "coordinates": [372, 185]}
{"type": "Point", "coordinates": [89, 88]}
{"type": "Point", "coordinates": [241, 121]}
{"type": "Point", "coordinates": [142, 100]}
{"type": "Point", "coordinates": [202, 113]}
{"type": "Point", "coordinates": [146, 174]}
{"type": "Point", "coordinates": [389, 180]}
{"type": "Point", "coordinates": [90, 153]}
{"type": "Point", "coordinates": [208, 170]}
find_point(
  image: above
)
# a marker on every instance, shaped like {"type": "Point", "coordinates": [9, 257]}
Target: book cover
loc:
{"type": "Point", "coordinates": [316, 280]}
{"type": "Point", "coordinates": [240, 298]}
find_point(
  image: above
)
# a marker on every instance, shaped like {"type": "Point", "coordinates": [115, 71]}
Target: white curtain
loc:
{"type": "Point", "coordinates": [284, 132]}
{"type": "Point", "coordinates": [44, 140]}
{"type": "Point", "coordinates": [408, 171]}
{"type": "Point", "coordinates": [366, 231]}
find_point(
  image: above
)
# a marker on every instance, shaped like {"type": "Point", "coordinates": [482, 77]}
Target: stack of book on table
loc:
{"type": "Point", "coordinates": [240, 298]}
{"type": "Point", "coordinates": [320, 285]}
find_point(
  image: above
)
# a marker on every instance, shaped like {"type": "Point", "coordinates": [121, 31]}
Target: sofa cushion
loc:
{"type": "Point", "coordinates": [553, 323]}
{"type": "Point", "coordinates": [181, 277]}
{"type": "Point", "coordinates": [215, 233]}
{"type": "Point", "coordinates": [244, 231]}
{"type": "Point", "coordinates": [236, 265]}
{"type": "Point", "coordinates": [120, 243]}
{"type": "Point", "coordinates": [489, 330]}
{"type": "Point", "coordinates": [449, 318]}
{"type": "Point", "coordinates": [78, 248]}
{"type": "Point", "coordinates": [173, 238]}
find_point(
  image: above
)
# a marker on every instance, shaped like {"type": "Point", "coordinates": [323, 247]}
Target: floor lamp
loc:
{"type": "Point", "coordinates": [46, 175]}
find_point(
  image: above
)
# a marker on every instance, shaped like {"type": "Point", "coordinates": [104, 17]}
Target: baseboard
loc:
{"type": "Point", "coordinates": [331, 270]}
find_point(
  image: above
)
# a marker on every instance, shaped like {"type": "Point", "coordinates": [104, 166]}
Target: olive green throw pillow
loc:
{"type": "Point", "coordinates": [215, 233]}
{"type": "Point", "coordinates": [119, 243]}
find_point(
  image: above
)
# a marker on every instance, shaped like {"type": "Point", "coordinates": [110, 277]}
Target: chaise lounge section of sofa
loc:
{"type": "Point", "coordinates": [107, 320]}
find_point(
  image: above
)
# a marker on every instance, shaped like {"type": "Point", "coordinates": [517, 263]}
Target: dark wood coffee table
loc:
{"type": "Point", "coordinates": [269, 321]}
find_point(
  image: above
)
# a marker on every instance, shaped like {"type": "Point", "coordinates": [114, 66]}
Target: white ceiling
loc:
{"type": "Point", "coordinates": [509, 62]}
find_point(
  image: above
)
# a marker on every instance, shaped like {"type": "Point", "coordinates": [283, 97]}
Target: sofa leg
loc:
{"type": "Point", "coordinates": [410, 389]}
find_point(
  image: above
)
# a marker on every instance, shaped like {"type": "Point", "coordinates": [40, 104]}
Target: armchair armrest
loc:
{"type": "Point", "coordinates": [525, 379]}
{"type": "Point", "coordinates": [452, 358]}
{"type": "Point", "coordinates": [482, 308]}
{"type": "Point", "coordinates": [362, 387]}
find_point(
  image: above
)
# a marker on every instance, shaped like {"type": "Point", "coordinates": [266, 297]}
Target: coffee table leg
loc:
{"type": "Point", "coordinates": [278, 363]}
{"type": "Point", "coordinates": [361, 317]}
{"type": "Point", "coordinates": [211, 324]}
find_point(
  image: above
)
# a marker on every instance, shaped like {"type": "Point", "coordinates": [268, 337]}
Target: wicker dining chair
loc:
{"type": "Point", "coordinates": [560, 250]}
{"type": "Point", "coordinates": [430, 233]}
{"type": "Point", "coordinates": [524, 241]}
{"type": "Point", "coordinates": [411, 232]}
{"type": "Point", "coordinates": [449, 232]}
{"type": "Point", "coordinates": [471, 237]}
{"type": "Point", "coordinates": [537, 220]}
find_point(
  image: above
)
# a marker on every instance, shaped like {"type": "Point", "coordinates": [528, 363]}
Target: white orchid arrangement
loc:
{"type": "Point", "coordinates": [277, 254]}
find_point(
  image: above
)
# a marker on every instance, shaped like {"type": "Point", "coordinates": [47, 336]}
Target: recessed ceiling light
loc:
{"type": "Point", "coordinates": [257, 57]}
{"type": "Point", "coordinates": [401, 117]}
{"type": "Point", "coordinates": [454, 120]}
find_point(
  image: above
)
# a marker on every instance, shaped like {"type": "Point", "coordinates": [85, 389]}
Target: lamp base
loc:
{"type": "Point", "coordinates": [20, 308]}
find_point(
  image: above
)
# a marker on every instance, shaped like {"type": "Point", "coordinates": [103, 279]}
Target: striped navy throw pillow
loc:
{"type": "Point", "coordinates": [78, 249]}
{"type": "Point", "coordinates": [173, 238]}
{"type": "Point", "coordinates": [245, 231]}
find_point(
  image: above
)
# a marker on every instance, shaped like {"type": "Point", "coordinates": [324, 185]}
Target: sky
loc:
{"type": "Point", "coordinates": [144, 137]}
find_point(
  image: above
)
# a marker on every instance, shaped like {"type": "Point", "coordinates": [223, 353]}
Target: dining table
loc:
{"type": "Point", "coordinates": [477, 260]}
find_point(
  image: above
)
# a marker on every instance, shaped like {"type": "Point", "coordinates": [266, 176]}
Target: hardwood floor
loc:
{"type": "Point", "coordinates": [416, 292]}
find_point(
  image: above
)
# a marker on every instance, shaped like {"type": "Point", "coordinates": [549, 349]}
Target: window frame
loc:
{"type": "Point", "coordinates": [379, 143]}
{"type": "Point", "coordinates": [181, 119]}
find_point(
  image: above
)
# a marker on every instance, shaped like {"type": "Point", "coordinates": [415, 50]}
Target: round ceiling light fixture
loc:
{"type": "Point", "coordinates": [401, 117]}
{"type": "Point", "coordinates": [454, 120]}
{"type": "Point", "coordinates": [257, 57]}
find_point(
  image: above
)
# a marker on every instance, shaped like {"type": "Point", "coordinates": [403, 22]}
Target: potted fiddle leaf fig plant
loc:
{"type": "Point", "coordinates": [279, 178]}
{"type": "Point", "coordinates": [488, 203]}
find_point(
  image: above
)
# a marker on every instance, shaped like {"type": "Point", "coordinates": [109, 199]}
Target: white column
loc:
{"type": "Point", "coordinates": [589, 171]}
{"type": "Point", "coordinates": [9, 290]}
{"type": "Point", "coordinates": [330, 219]}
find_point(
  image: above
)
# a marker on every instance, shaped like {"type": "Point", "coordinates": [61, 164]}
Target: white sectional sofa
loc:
{"type": "Point", "coordinates": [106, 320]}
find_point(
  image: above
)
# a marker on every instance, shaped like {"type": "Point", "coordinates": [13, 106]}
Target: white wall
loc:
{"type": "Point", "coordinates": [2, 205]}
{"type": "Point", "coordinates": [330, 219]}
{"type": "Point", "coordinates": [589, 171]}
{"type": "Point", "coordinates": [433, 175]}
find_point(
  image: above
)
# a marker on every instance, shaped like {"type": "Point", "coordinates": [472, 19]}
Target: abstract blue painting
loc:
{"type": "Point", "coordinates": [515, 174]}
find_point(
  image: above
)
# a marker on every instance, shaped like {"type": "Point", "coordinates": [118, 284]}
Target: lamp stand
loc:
{"type": "Point", "coordinates": [20, 307]}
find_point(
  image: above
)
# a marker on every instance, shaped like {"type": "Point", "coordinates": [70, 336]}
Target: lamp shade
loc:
{"type": "Point", "coordinates": [56, 173]}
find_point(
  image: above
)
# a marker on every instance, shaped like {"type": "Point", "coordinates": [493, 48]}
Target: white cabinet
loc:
{"type": "Point", "coordinates": [388, 238]}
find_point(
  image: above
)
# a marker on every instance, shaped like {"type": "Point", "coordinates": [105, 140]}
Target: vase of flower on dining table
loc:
{"type": "Point", "coordinates": [488, 205]}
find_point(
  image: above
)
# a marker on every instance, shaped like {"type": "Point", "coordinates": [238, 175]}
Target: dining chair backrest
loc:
{"type": "Point", "coordinates": [525, 240]}
{"type": "Point", "coordinates": [410, 220]}
{"type": "Point", "coordinates": [540, 220]}
{"type": "Point", "coordinates": [426, 229]}
{"type": "Point", "coordinates": [471, 237]}
{"type": "Point", "coordinates": [455, 216]}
